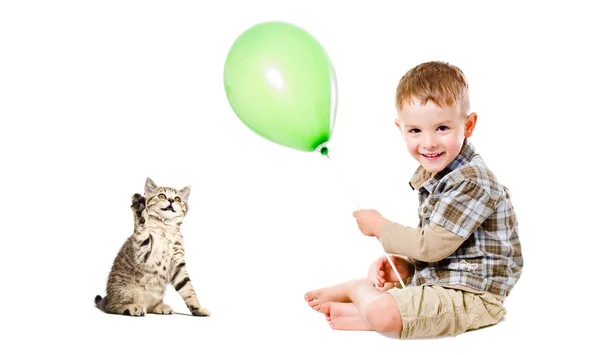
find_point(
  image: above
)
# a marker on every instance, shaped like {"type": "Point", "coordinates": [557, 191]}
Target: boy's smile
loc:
{"type": "Point", "coordinates": [434, 135]}
{"type": "Point", "coordinates": [432, 157]}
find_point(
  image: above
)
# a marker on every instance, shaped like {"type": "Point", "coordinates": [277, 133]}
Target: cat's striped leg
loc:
{"type": "Point", "coordinates": [183, 285]}
{"type": "Point", "coordinates": [125, 300]}
{"type": "Point", "coordinates": [143, 243]}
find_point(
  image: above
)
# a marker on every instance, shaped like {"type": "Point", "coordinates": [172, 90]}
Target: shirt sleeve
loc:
{"type": "Point", "coordinates": [462, 208]}
{"type": "Point", "coordinates": [429, 244]}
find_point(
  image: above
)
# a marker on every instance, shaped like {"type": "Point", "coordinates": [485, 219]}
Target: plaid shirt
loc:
{"type": "Point", "coordinates": [467, 199]}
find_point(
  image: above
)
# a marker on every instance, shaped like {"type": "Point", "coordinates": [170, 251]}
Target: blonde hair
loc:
{"type": "Point", "coordinates": [442, 83]}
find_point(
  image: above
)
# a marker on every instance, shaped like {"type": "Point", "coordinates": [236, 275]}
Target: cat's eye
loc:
{"type": "Point", "coordinates": [162, 196]}
{"type": "Point", "coordinates": [177, 199]}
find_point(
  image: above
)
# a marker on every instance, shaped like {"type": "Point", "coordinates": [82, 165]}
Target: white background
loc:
{"type": "Point", "coordinates": [96, 96]}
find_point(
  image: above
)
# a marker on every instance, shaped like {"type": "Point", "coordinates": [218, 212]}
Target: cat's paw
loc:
{"type": "Point", "coordinates": [138, 203]}
{"type": "Point", "coordinates": [162, 308]}
{"type": "Point", "coordinates": [199, 311]}
{"type": "Point", "coordinates": [134, 310]}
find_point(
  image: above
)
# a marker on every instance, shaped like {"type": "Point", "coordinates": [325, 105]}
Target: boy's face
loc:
{"type": "Point", "coordinates": [434, 135]}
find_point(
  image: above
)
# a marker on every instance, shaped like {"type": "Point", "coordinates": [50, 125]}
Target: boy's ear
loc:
{"type": "Point", "coordinates": [470, 124]}
{"type": "Point", "coordinates": [397, 123]}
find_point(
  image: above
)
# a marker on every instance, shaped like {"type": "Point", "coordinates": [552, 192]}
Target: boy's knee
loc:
{"type": "Point", "coordinates": [383, 315]}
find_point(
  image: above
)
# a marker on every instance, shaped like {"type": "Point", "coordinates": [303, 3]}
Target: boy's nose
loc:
{"type": "Point", "coordinates": [429, 142]}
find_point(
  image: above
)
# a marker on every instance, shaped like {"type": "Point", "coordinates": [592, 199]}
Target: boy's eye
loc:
{"type": "Point", "coordinates": [414, 130]}
{"type": "Point", "coordinates": [443, 128]}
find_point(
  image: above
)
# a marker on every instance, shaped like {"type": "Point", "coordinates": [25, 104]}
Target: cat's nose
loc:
{"type": "Point", "coordinates": [171, 200]}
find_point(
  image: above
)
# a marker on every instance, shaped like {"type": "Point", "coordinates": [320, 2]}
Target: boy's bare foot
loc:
{"type": "Point", "coordinates": [349, 323]}
{"type": "Point", "coordinates": [336, 293]}
{"type": "Point", "coordinates": [343, 316]}
{"type": "Point", "coordinates": [333, 310]}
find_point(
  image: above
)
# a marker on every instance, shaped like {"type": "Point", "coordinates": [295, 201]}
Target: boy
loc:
{"type": "Point", "coordinates": [465, 257]}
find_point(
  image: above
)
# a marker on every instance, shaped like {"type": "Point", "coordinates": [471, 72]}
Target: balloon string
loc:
{"type": "Point", "coordinates": [351, 192]}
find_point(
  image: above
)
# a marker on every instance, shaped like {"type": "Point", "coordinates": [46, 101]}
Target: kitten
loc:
{"type": "Point", "coordinates": [152, 257]}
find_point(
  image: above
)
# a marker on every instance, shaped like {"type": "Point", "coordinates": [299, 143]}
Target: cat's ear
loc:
{"type": "Point", "coordinates": [149, 187]}
{"type": "Point", "coordinates": [185, 193]}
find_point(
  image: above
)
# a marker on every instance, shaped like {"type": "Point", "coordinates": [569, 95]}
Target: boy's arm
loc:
{"type": "Point", "coordinates": [429, 244]}
{"type": "Point", "coordinates": [461, 209]}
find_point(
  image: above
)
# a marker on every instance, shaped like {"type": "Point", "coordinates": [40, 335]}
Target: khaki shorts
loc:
{"type": "Point", "coordinates": [432, 311]}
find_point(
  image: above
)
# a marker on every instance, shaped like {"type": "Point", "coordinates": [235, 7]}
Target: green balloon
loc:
{"type": "Point", "coordinates": [281, 84]}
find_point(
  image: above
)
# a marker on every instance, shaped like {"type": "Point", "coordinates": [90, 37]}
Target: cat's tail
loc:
{"type": "Point", "coordinates": [100, 302]}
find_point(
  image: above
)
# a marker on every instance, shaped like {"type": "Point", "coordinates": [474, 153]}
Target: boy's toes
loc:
{"type": "Point", "coordinates": [314, 303]}
{"type": "Point", "coordinates": [325, 308]}
{"type": "Point", "coordinates": [312, 298]}
{"type": "Point", "coordinates": [309, 296]}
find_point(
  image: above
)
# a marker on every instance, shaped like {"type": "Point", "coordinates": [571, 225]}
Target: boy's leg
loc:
{"type": "Point", "coordinates": [378, 309]}
{"type": "Point", "coordinates": [432, 311]}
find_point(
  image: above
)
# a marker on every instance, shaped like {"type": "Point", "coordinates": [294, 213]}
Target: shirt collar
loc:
{"type": "Point", "coordinates": [424, 179]}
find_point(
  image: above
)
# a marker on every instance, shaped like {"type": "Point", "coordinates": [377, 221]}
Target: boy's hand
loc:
{"type": "Point", "coordinates": [377, 273]}
{"type": "Point", "coordinates": [381, 271]}
{"type": "Point", "coordinates": [369, 222]}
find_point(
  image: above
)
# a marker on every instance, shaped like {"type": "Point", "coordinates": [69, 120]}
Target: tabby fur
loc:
{"type": "Point", "coordinates": [152, 257]}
